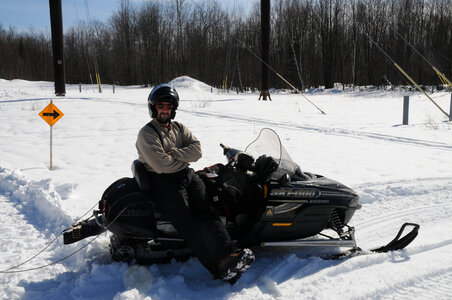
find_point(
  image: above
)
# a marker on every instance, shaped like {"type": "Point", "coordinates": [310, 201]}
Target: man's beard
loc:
{"type": "Point", "coordinates": [163, 119]}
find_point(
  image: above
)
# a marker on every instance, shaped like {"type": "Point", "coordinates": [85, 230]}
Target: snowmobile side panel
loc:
{"type": "Point", "coordinates": [299, 223]}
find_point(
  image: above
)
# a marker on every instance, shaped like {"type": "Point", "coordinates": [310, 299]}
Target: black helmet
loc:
{"type": "Point", "coordinates": [163, 93]}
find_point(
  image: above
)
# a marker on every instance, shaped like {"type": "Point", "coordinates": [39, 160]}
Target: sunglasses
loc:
{"type": "Point", "coordinates": [161, 105]}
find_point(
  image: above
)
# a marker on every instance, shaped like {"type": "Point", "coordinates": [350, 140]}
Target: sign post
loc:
{"type": "Point", "coordinates": [406, 105]}
{"type": "Point", "coordinates": [51, 114]}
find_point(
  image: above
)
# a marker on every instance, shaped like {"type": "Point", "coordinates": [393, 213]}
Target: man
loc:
{"type": "Point", "coordinates": [166, 148]}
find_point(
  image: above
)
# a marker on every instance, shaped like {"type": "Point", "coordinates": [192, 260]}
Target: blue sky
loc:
{"type": "Point", "coordinates": [26, 14]}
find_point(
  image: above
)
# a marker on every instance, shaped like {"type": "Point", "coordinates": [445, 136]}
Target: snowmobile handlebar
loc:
{"type": "Point", "coordinates": [230, 153]}
{"type": "Point", "coordinates": [263, 166]}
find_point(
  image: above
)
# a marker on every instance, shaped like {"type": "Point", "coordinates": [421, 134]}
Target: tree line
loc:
{"type": "Point", "coordinates": [313, 43]}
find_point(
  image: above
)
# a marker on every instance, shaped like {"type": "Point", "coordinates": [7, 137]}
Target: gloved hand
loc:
{"type": "Point", "coordinates": [243, 161]}
{"type": "Point", "coordinates": [264, 166]}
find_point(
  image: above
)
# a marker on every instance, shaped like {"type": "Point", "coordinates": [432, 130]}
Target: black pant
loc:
{"type": "Point", "coordinates": [181, 197]}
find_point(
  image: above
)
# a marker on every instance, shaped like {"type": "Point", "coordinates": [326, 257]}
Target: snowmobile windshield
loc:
{"type": "Point", "coordinates": [269, 144]}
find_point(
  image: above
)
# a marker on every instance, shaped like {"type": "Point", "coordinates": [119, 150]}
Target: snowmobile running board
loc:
{"type": "Point", "coordinates": [319, 242]}
{"type": "Point", "coordinates": [396, 244]}
{"type": "Point", "coordinates": [331, 242]}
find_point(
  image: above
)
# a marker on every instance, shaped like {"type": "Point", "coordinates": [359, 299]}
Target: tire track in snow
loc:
{"type": "Point", "coordinates": [13, 222]}
{"type": "Point", "coordinates": [37, 201]}
{"type": "Point", "coordinates": [291, 126]}
{"type": "Point", "coordinates": [19, 241]}
{"type": "Point", "coordinates": [436, 286]}
{"type": "Point", "coordinates": [400, 197]}
{"type": "Point", "coordinates": [401, 181]}
{"type": "Point", "coordinates": [325, 130]}
{"type": "Point", "coordinates": [430, 247]}
{"type": "Point", "coordinates": [397, 215]}
{"type": "Point", "coordinates": [385, 286]}
{"type": "Point", "coordinates": [425, 201]}
{"type": "Point", "coordinates": [31, 218]}
{"type": "Point", "coordinates": [429, 285]}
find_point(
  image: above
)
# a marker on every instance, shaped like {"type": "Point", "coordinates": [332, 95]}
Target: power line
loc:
{"type": "Point", "coordinates": [273, 70]}
{"type": "Point", "coordinates": [279, 75]}
{"type": "Point", "coordinates": [398, 67]}
{"type": "Point", "coordinates": [440, 74]}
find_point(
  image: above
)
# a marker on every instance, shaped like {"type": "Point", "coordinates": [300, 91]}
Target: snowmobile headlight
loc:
{"type": "Point", "coordinates": [354, 202]}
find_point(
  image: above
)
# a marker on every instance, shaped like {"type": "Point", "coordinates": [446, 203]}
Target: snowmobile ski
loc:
{"type": "Point", "coordinates": [400, 242]}
{"type": "Point", "coordinates": [396, 244]}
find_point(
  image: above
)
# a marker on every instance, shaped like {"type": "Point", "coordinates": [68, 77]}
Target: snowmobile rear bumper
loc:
{"type": "Point", "coordinates": [81, 231]}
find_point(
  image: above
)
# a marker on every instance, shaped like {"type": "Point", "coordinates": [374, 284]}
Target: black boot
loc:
{"type": "Point", "coordinates": [232, 266]}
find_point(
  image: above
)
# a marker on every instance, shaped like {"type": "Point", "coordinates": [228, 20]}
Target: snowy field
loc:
{"type": "Point", "coordinates": [402, 173]}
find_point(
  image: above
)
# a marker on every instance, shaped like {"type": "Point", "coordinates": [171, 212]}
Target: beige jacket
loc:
{"type": "Point", "coordinates": [180, 147]}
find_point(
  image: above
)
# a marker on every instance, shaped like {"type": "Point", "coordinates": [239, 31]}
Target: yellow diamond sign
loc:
{"type": "Point", "coordinates": [51, 114]}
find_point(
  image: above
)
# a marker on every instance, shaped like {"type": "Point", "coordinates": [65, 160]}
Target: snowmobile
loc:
{"type": "Point", "coordinates": [261, 195]}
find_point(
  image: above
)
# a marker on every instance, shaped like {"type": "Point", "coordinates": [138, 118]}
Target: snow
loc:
{"type": "Point", "coordinates": [402, 173]}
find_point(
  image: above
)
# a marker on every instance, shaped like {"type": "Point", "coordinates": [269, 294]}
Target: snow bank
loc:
{"type": "Point", "coordinates": [37, 200]}
{"type": "Point", "coordinates": [185, 82]}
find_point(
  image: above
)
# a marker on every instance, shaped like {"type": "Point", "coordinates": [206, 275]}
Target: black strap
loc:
{"type": "Point", "coordinates": [155, 129]}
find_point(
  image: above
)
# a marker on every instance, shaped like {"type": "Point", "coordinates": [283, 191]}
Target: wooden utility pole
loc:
{"type": "Point", "coordinates": [56, 24]}
{"type": "Point", "coordinates": [265, 44]}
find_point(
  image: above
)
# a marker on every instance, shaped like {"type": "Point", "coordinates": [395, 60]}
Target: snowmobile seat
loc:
{"type": "Point", "coordinates": [143, 179]}
{"type": "Point", "coordinates": [141, 175]}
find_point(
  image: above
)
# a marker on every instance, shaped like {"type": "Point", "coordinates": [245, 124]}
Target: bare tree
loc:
{"type": "Point", "coordinates": [313, 42]}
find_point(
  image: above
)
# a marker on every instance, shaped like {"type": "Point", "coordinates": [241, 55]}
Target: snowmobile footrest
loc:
{"type": "Point", "coordinates": [348, 240]}
{"type": "Point", "coordinates": [400, 242]}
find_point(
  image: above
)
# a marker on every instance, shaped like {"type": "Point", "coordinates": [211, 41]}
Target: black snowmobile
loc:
{"type": "Point", "coordinates": [261, 195]}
